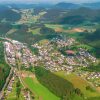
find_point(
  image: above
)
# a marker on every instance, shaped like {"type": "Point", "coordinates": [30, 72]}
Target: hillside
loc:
{"type": "Point", "coordinates": [8, 14]}
{"type": "Point", "coordinates": [4, 28]}
{"type": "Point", "coordinates": [92, 5]}
{"type": "Point", "coordinates": [92, 39]}
{"type": "Point", "coordinates": [37, 33]}
{"type": "Point", "coordinates": [64, 5]}
{"type": "Point", "coordinates": [81, 15]}
{"type": "Point", "coordinates": [4, 68]}
{"type": "Point", "coordinates": [74, 16]}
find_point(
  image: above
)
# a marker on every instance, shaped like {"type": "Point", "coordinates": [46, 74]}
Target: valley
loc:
{"type": "Point", "coordinates": [49, 53]}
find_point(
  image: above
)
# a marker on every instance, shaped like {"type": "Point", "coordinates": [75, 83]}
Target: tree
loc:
{"type": "Point", "coordinates": [78, 91]}
{"type": "Point", "coordinates": [18, 88]}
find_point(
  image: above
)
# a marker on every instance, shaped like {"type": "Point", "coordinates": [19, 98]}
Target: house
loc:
{"type": "Point", "coordinates": [70, 52]}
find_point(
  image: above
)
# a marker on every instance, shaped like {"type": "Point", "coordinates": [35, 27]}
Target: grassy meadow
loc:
{"type": "Point", "coordinates": [80, 83]}
{"type": "Point", "coordinates": [40, 92]}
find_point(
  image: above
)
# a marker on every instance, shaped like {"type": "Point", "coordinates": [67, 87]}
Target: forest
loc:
{"type": "Point", "coordinates": [4, 67]}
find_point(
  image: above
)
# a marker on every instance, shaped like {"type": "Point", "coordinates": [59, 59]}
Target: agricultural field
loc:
{"type": "Point", "coordinates": [34, 31]}
{"type": "Point", "coordinates": [40, 92]}
{"type": "Point", "coordinates": [80, 83]}
{"type": "Point", "coordinates": [70, 28]}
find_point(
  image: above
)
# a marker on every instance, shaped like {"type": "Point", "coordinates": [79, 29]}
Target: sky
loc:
{"type": "Point", "coordinates": [50, 1]}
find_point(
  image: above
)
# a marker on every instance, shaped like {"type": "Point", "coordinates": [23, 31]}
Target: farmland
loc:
{"type": "Point", "coordinates": [39, 90]}
{"type": "Point", "coordinates": [79, 83]}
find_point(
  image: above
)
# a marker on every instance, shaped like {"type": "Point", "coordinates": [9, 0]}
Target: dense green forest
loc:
{"type": "Point", "coordinates": [92, 39]}
{"type": "Point", "coordinates": [23, 35]}
{"type": "Point", "coordinates": [4, 68]}
{"type": "Point", "coordinates": [8, 14]}
{"type": "Point", "coordinates": [93, 68]}
{"type": "Point", "coordinates": [4, 28]}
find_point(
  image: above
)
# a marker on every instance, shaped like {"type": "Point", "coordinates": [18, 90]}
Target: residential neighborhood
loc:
{"type": "Point", "coordinates": [19, 54]}
{"type": "Point", "coordinates": [16, 51]}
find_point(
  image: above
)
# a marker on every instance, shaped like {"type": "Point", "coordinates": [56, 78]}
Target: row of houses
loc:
{"type": "Point", "coordinates": [17, 51]}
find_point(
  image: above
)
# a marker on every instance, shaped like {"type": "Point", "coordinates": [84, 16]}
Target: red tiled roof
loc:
{"type": "Point", "coordinates": [70, 52]}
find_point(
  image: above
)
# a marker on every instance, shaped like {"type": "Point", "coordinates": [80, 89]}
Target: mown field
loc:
{"type": "Point", "coordinates": [79, 83]}
{"type": "Point", "coordinates": [40, 92]}
{"type": "Point", "coordinates": [70, 28]}
{"type": "Point", "coordinates": [58, 85]}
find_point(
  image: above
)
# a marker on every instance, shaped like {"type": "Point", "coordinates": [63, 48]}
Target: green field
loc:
{"type": "Point", "coordinates": [39, 90]}
{"type": "Point", "coordinates": [35, 31]}
{"type": "Point", "coordinates": [79, 83]}
{"type": "Point", "coordinates": [53, 26]}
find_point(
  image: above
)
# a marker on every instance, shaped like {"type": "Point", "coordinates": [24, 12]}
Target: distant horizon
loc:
{"type": "Point", "coordinates": [47, 1]}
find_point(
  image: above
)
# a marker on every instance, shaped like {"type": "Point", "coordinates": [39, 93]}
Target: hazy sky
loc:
{"type": "Point", "coordinates": [51, 1]}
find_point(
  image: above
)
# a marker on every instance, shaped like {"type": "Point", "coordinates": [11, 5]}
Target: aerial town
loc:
{"type": "Point", "coordinates": [52, 59]}
{"type": "Point", "coordinates": [49, 50]}
{"type": "Point", "coordinates": [17, 51]}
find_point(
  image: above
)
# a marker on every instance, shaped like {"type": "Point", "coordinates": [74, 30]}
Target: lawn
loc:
{"type": "Point", "coordinates": [35, 31]}
{"type": "Point", "coordinates": [53, 26]}
{"type": "Point", "coordinates": [42, 92]}
{"type": "Point", "coordinates": [78, 82]}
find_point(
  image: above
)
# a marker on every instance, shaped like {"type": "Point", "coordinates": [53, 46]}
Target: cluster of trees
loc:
{"type": "Point", "coordinates": [57, 85]}
{"type": "Point", "coordinates": [8, 14]}
{"type": "Point", "coordinates": [89, 88]}
{"type": "Point", "coordinates": [72, 17]}
{"type": "Point", "coordinates": [77, 19]}
{"type": "Point", "coordinates": [93, 39]}
{"type": "Point", "coordinates": [18, 89]}
{"type": "Point", "coordinates": [23, 35]}
{"type": "Point", "coordinates": [4, 28]}
{"type": "Point", "coordinates": [46, 30]}
{"type": "Point", "coordinates": [52, 16]}
{"type": "Point", "coordinates": [48, 33]}
{"type": "Point", "coordinates": [93, 68]}
{"type": "Point", "coordinates": [4, 67]}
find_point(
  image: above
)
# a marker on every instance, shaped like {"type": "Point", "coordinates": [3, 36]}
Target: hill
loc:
{"type": "Point", "coordinates": [64, 5]}
{"type": "Point", "coordinates": [4, 68]}
{"type": "Point", "coordinates": [93, 39]}
{"type": "Point", "coordinates": [92, 5]}
{"type": "Point", "coordinates": [37, 33]}
{"type": "Point", "coordinates": [53, 15]}
{"type": "Point", "coordinates": [4, 28]}
{"type": "Point", "coordinates": [78, 16]}
{"type": "Point", "coordinates": [72, 16]}
{"type": "Point", "coordinates": [8, 14]}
